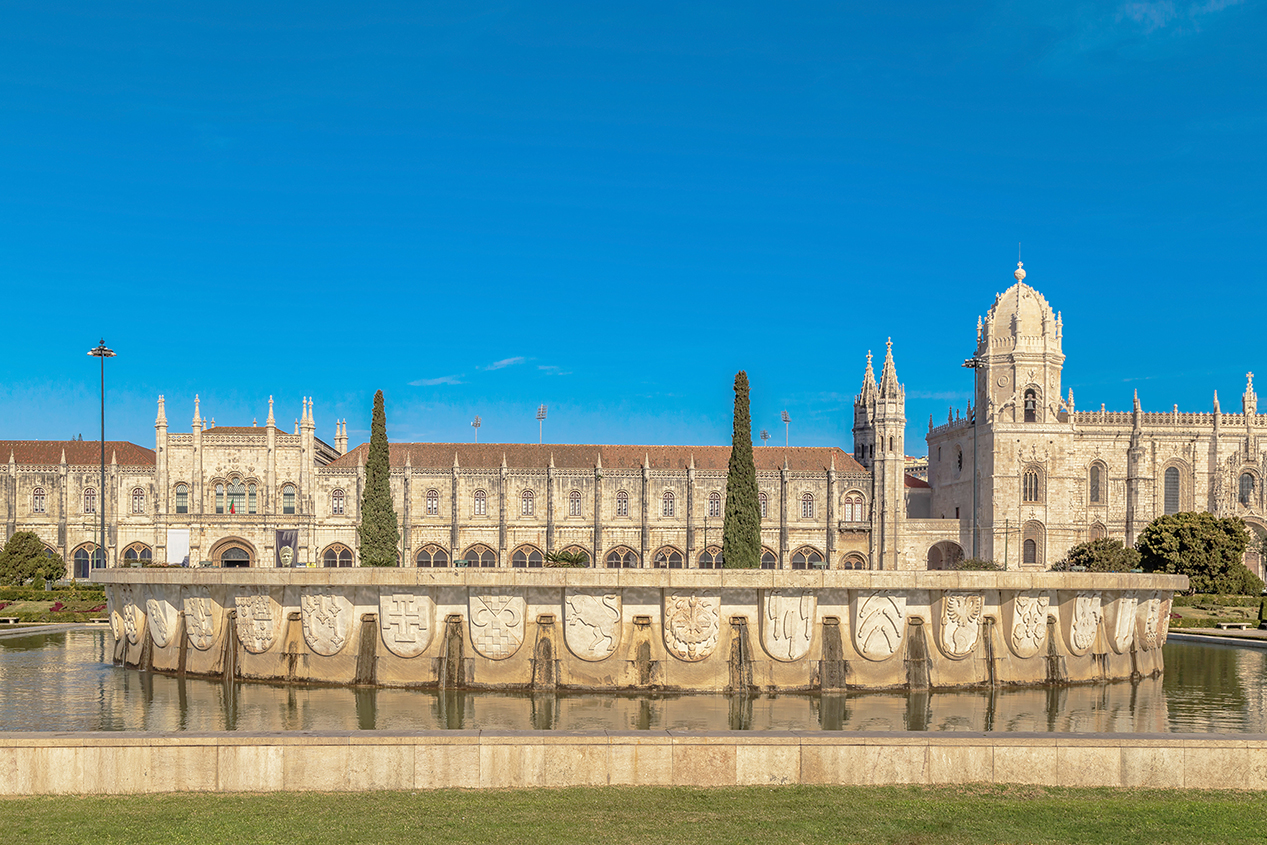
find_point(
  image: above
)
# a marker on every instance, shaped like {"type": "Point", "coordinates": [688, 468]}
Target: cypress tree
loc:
{"type": "Point", "coordinates": [379, 531]}
{"type": "Point", "coordinates": [741, 530]}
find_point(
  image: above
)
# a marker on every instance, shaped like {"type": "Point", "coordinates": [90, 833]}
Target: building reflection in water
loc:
{"type": "Point", "coordinates": [64, 682]}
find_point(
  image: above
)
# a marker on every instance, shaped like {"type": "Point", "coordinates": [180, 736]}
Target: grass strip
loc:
{"type": "Point", "coordinates": [758, 815]}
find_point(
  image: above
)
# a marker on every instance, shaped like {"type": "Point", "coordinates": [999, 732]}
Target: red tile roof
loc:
{"type": "Point", "coordinates": [574, 456]}
{"type": "Point", "coordinates": [78, 452]}
{"type": "Point", "coordinates": [917, 483]}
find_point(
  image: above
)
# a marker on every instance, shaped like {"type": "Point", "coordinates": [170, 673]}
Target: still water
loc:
{"type": "Point", "coordinates": [65, 682]}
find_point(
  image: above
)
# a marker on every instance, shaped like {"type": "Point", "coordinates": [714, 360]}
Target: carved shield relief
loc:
{"type": "Point", "coordinates": [327, 620]}
{"type": "Point", "coordinates": [1025, 621]}
{"type": "Point", "coordinates": [692, 624]}
{"type": "Point", "coordinates": [113, 605]}
{"type": "Point", "coordinates": [787, 622]}
{"type": "Point", "coordinates": [406, 619]}
{"type": "Point", "coordinates": [163, 620]}
{"type": "Point", "coordinates": [1121, 621]}
{"type": "Point", "coordinates": [959, 623]}
{"type": "Point", "coordinates": [1146, 622]}
{"type": "Point", "coordinates": [133, 616]}
{"type": "Point", "coordinates": [202, 621]}
{"type": "Point", "coordinates": [497, 621]}
{"type": "Point", "coordinates": [1163, 621]}
{"type": "Point", "coordinates": [259, 618]}
{"type": "Point", "coordinates": [591, 623]}
{"type": "Point", "coordinates": [879, 620]}
{"type": "Point", "coordinates": [1080, 616]}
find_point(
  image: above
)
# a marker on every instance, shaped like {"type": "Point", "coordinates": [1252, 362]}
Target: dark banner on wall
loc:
{"type": "Point", "coordinates": [287, 547]}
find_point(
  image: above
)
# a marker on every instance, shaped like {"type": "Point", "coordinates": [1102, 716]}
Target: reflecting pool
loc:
{"type": "Point", "coordinates": [64, 681]}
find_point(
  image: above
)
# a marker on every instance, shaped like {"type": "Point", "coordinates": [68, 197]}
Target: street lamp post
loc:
{"type": "Point", "coordinates": [475, 424]}
{"type": "Point", "coordinates": [974, 363]}
{"type": "Point", "coordinates": [102, 352]}
{"type": "Point", "coordinates": [786, 429]}
{"type": "Point", "coordinates": [541, 415]}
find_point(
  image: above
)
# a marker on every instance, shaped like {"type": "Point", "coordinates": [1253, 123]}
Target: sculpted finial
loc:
{"type": "Point", "coordinates": [1020, 272]}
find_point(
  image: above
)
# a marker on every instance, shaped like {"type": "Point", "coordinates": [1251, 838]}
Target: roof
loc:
{"type": "Point", "coordinates": [78, 452]}
{"type": "Point", "coordinates": [916, 483]}
{"type": "Point", "coordinates": [239, 429]}
{"type": "Point", "coordinates": [576, 456]}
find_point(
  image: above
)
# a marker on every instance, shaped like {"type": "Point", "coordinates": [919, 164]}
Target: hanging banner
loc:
{"type": "Point", "coordinates": [178, 546]}
{"type": "Point", "coordinates": [287, 547]}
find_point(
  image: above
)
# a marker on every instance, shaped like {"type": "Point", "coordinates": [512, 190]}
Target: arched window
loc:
{"type": "Point", "coordinates": [807, 506]}
{"type": "Point", "coordinates": [574, 503]}
{"type": "Point", "coordinates": [714, 504]}
{"type": "Point", "coordinates": [1029, 553]}
{"type": "Point", "coordinates": [958, 459]}
{"type": "Point", "coordinates": [182, 498]}
{"type": "Point", "coordinates": [336, 503]}
{"type": "Point", "coordinates": [622, 503]}
{"type": "Point", "coordinates": [1031, 405]}
{"type": "Point", "coordinates": [667, 503]}
{"type": "Point", "coordinates": [769, 560]}
{"type": "Point", "coordinates": [1095, 493]}
{"type": "Point", "coordinates": [252, 499]}
{"type": "Point", "coordinates": [1246, 493]}
{"type": "Point", "coordinates": [433, 502]}
{"type": "Point", "coordinates": [237, 496]}
{"type": "Point", "coordinates": [433, 556]}
{"type": "Point", "coordinates": [86, 558]}
{"type": "Point", "coordinates": [138, 553]}
{"type": "Point", "coordinates": [1098, 532]}
{"type": "Point", "coordinates": [854, 504]}
{"type": "Point", "coordinates": [577, 550]}
{"type": "Point", "coordinates": [1171, 494]}
{"type": "Point", "coordinates": [37, 500]}
{"type": "Point", "coordinates": [1033, 537]}
{"type": "Point", "coordinates": [288, 499]}
{"type": "Point", "coordinates": [668, 558]}
{"type": "Point", "coordinates": [480, 555]}
{"type": "Point", "coordinates": [807, 559]}
{"type": "Point", "coordinates": [710, 558]}
{"type": "Point", "coordinates": [853, 561]}
{"type": "Point", "coordinates": [480, 503]}
{"type": "Point", "coordinates": [138, 500]}
{"type": "Point", "coordinates": [764, 501]}
{"type": "Point", "coordinates": [90, 501]}
{"type": "Point", "coordinates": [1030, 487]}
{"type": "Point", "coordinates": [527, 502]}
{"type": "Point", "coordinates": [337, 556]}
{"type": "Point", "coordinates": [622, 558]}
{"type": "Point", "coordinates": [527, 556]}
{"type": "Point", "coordinates": [219, 498]}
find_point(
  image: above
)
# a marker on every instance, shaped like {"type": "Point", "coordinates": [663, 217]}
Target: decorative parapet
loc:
{"type": "Point", "coordinates": [728, 630]}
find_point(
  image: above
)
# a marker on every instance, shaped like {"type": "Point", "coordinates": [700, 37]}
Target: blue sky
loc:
{"type": "Point", "coordinates": [611, 208]}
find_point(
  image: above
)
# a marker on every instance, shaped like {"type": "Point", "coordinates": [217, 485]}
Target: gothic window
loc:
{"type": "Point", "coordinates": [1098, 532]}
{"type": "Point", "coordinates": [90, 501]}
{"type": "Point", "coordinates": [1095, 494]}
{"type": "Point", "coordinates": [480, 503]}
{"type": "Point", "coordinates": [710, 558]}
{"type": "Point", "coordinates": [764, 501]}
{"type": "Point", "coordinates": [527, 502]}
{"type": "Point", "coordinates": [958, 459]}
{"type": "Point", "coordinates": [1031, 489]}
{"type": "Point", "coordinates": [807, 506]}
{"type": "Point", "coordinates": [182, 498]}
{"type": "Point", "coordinates": [137, 553]}
{"type": "Point", "coordinates": [433, 502]}
{"type": "Point", "coordinates": [769, 560]}
{"type": "Point", "coordinates": [527, 556]}
{"type": "Point", "coordinates": [806, 559]}
{"type": "Point", "coordinates": [1029, 553]}
{"type": "Point", "coordinates": [667, 559]}
{"type": "Point", "coordinates": [577, 550]}
{"type": "Point", "coordinates": [87, 558]}
{"type": "Point", "coordinates": [1246, 493]}
{"type": "Point", "coordinates": [219, 498]}
{"type": "Point", "coordinates": [622, 503]}
{"type": "Point", "coordinates": [138, 500]}
{"type": "Point", "coordinates": [433, 557]}
{"type": "Point", "coordinates": [667, 503]}
{"type": "Point", "coordinates": [237, 496]}
{"type": "Point", "coordinates": [336, 503]}
{"type": "Point", "coordinates": [574, 503]}
{"type": "Point", "coordinates": [1031, 405]}
{"type": "Point", "coordinates": [37, 500]}
{"type": "Point", "coordinates": [337, 557]}
{"type": "Point", "coordinates": [714, 504]}
{"type": "Point", "coordinates": [853, 561]}
{"type": "Point", "coordinates": [481, 556]}
{"type": "Point", "coordinates": [288, 499]}
{"type": "Point", "coordinates": [252, 499]}
{"type": "Point", "coordinates": [622, 558]}
{"type": "Point", "coordinates": [1171, 492]}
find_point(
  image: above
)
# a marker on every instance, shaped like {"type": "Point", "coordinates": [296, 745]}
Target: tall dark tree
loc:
{"type": "Point", "coordinates": [741, 530]}
{"type": "Point", "coordinates": [379, 531]}
{"type": "Point", "coordinates": [26, 558]}
{"type": "Point", "coordinates": [1206, 548]}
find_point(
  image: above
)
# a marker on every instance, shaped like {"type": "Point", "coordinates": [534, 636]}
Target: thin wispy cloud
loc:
{"type": "Point", "coordinates": [551, 370]}
{"type": "Point", "coordinates": [1160, 14]}
{"type": "Point", "coordinates": [939, 394]}
{"type": "Point", "coordinates": [505, 362]}
{"type": "Point", "coordinates": [432, 382]}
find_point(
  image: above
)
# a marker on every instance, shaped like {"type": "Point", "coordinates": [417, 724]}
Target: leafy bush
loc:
{"type": "Point", "coordinates": [1099, 556]}
{"type": "Point", "coordinates": [566, 559]}
{"type": "Point", "coordinates": [973, 564]}
{"type": "Point", "coordinates": [1206, 548]}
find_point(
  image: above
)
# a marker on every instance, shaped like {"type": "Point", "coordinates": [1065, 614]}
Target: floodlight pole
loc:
{"type": "Point", "coordinates": [974, 363]}
{"type": "Point", "coordinates": [102, 352]}
{"type": "Point", "coordinates": [787, 437]}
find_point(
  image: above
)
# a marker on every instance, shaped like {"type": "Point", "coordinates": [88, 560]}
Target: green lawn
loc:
{"type": "Point", "coordinates": [758, 815]}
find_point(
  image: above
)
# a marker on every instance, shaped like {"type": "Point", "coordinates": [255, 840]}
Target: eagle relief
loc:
{"type": "Point", "coordinates": [327, 620]}
{"type": "Point", "coordinates": [961, 622]}
{"type": "Point", "coordinates": [592, 623]}
{"type": "Point", "coordinates": [692, 624]}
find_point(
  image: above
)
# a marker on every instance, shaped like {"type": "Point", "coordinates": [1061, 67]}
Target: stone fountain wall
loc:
{"type": "Point", "coordinates": [641, 629]}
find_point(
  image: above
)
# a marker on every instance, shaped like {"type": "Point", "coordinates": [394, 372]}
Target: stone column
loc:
{"type": "Point", "coordinates": [646, 511]}
{"type": "Point", "coordinates": [831, 514]}
{"type": "Point", "coordinates": [501, 518]}
{"type": "Point", "coordinates": [598, 512]}
{"type": "Point", "coordinates": [784, 551]}
{"type": "Point", "coordinates": [690, 516]}
{"type": "Point", "coordinates": [550, 506]}
{"type": "Point", "coordinates": [454, 551]}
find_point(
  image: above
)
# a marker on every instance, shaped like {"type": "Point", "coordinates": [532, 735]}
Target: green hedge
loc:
{"type": "Point", "coordinates": [1209, 600]}
{"type": "Point", "coordinates": [94, 593]}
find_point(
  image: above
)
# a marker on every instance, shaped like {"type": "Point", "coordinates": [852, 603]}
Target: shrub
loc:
{"type": "Point", "coordinates": [1204, 547]}
{"type": "Point", "coordinates": [1099, 556]}
{"type": "Point", "coordinates": [973, 564]}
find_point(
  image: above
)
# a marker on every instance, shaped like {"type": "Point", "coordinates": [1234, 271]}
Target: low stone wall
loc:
{"type": "Point", "coordinates": [98, 764]}
{"type": "Point", "coordinates": [698, 630]}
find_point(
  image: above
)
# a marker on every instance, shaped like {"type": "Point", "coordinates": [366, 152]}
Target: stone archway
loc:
{"type": "Point", "coordinates": [944, 555]}
{"type": "Point", "coordinates": [233, 552]}
{"type": "Point", "coordinates": [1254, 551]}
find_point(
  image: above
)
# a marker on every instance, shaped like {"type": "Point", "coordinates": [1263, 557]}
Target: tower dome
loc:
{"type": "Point", "coordinates": [1020, 318]}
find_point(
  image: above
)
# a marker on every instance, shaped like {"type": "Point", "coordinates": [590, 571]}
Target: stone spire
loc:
{"type": "Point", "coordinates": [551, 465]}
{"type": "Point", "coordinates": [692, 466]}
{"type": "Point", "coordinates": [271, 422]}
{"type": "Point", "coordinates": [869, 390]}
{"type": "Point", "coordinates": [889, 388]}
{"type": "Point", "coordinates": [63, 456]}
{"type": "Point", "coordinates": [1249, 401]}
{"type": "Point", "coordinates": [455, 459]}
{"type": "Point", "coordinates": [197, 416]}
{"type": "Point", "coordinates": [114, 457]}
{"type": "Point", "coordinates": [1216, 403]}
{"type": "Point", "coordinates": [1137, 415]}
{"type": "Point", "coordinates": [598, 462]}
{"type": "Point", "coordinates": [161, 419]}
{"type": "Point", "coordinates": [504, 464]}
